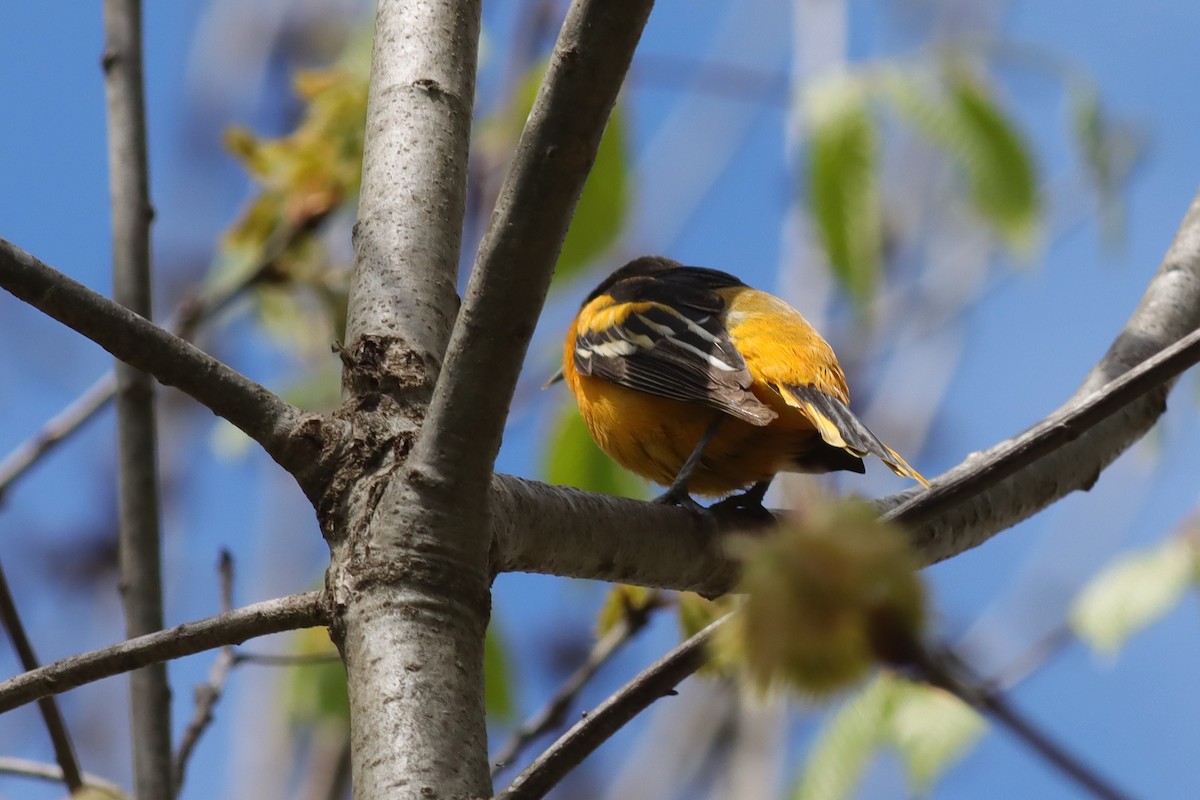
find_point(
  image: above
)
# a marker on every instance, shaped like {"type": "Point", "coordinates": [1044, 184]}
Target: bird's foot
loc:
{"type": "Point", "coordinates": [678, 496]}
{"type": "Point", "coordinates": [748, 504]}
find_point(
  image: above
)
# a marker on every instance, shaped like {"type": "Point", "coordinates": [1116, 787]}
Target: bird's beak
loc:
{"type": "Point", "coordinates": [555, 378]}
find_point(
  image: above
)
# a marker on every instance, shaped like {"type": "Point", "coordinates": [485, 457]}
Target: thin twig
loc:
{"type": "Point", "coordinates": [658, 680]}
{"type": "Point", "coordinates": [1031, 658]}
{"type": "Point", "coordinates": [139, 539]}
{"type": "Point", "coordinates": [284, 659]}
{"type": "Point", "coordinates": [271, 616]}
{"type": "Point", "coordinates": [946, 671]}
{"type": "Point", "coordinates": [553, 713]}
{"type": "Point", "coordinates": [25, 768]}
{"type": "Point", "coordinates": [290, 437]}
{"type": "Point", "coordinates": [187, 317]}
{"type": "Point", "coordinates": [60, 737]}
{"type": "Point", "coordinates": [207, 694]}
{"type": "Point", "coordinates": [56, 429]}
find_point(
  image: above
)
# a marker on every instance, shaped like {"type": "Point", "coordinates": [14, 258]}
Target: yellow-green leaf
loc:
{"type": "Point", "coordinates": [623, 600]}
{"type": "Point", "coordinates": [1132, 593]}
{"type": "Point", "coordinates": [573, 459]}
{"type": "Point", "coordinates": [316, 693]}
{"type": "Point", "coordinates": [844, 747]}
{"type": "Point", "coordinates": [498, 682]}
{"type": "Point", "coordinates": [930, 728]}
{"type": "Point", "coordinates": [842, 183]}
{"type": "Point", "coordinates": [604, 203]}
{"type": "Point", "coordinates": [967, 123]}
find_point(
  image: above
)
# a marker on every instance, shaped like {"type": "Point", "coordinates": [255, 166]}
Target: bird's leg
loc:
{"type": "Point", "coordinates": [749, 500]}
{"type": "Point", "coordinates": [678, 495]}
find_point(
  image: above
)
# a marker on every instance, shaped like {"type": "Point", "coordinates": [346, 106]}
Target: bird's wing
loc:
{"type": "Point", "coordinates": [667, 343]}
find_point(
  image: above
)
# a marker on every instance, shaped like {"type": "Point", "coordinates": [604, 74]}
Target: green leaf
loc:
{"type": "Point", "coordinates": [497, 676]}
{"type": "Point", "coordinates": [623, 600]}
{"type": "Point", "coordinates": [604, 203]}
{"type": "Point", "coordinates": [316, 693]}
{"type": "Point", "coordinates": [600, 214]}
{"type": "Point", "coordinates": [573, 459]}
{"type": "Point", "coordinates": [930, 728]}
{"type": "Point", "coordinates": [968, 125]}
{"type": "Point", "coordinates": [1132, 593]}
{"type": "Point", "coordinates": [842, 185]}
{"type": "Point", "coordinates": [844, 747]}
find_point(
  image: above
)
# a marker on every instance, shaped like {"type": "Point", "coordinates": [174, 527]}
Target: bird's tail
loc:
{"type": "Point", "coordinates": [838, 426]}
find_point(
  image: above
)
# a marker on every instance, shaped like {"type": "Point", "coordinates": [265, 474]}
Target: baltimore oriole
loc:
{"type": "Point", "coordinates": [691, 378]}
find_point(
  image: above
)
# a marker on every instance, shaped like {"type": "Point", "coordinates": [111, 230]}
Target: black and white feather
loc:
{"type": "Point", "coordinates": [680, 351]}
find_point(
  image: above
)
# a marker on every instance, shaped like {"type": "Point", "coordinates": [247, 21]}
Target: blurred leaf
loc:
{"type": "Point", "coordinates": [1108, 152]}
{"type": "Point", "coordinates": [302, 176]}
{"type": "Point", "coordinates": [498, 680]}
{"type": "Point", "coordinates": [604, 203]}
{"type": "Point", "coordinates": [89, 792]}
{"type": "Point", "coordinates": [623, 600]}
{"type": "Point", "coordinates": [316, 693]}
{"type": "Point", "coordinates": [829, 594]}
{"type": "Point", "coordinates": [696, 613]}
{"type": "Point", "coordinates": [842, 185]}
{"type": "Point", "coordinates": [930, 728]}
{"type": "Point", "coordinates": [1132, 593]}
{"type": "Point", "coordinates": [845, 744]}
{"type": "Point", "coordinates": [600, 214]}
{"type": "Point", "coordinates": [573, 459]}
{"type": "Point", "coordinates": [970, 127]}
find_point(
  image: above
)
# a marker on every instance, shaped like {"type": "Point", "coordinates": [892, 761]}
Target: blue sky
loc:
{"type": "Point", "coordinates": [714, 183]}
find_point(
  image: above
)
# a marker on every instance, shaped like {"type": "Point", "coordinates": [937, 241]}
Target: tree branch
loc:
{"type": "Point", "coordinates": [303, 444]}
{"type": "Point", "coordinates": [60, 738]}
{"type": "Point", "coordinates": [190, 314]}
{"type": "Point", "coordinates": [658, 680]}
{"type": "Point", "coordinates": [53, 773]}
{"type": "Point", "coordinates": [461, 436]}
{"type": "Point", "coordinates": [271, 616]}
{"type": "Point", "coordinates": [413, 197]}
{"type": "Point", "coordinates": [139, 540]}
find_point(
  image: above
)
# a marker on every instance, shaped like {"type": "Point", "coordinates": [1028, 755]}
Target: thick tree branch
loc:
{"type": "Point", "coordinates": [303, 444]}
{"type": "Point", "coordinates": [271, 616]}
{"type": "Point", "coordinates": [459, 442]}
{"type": "Point", "coordinates": [1169, 311]}
{"type": "Point", "coordinates": [414, 175]}
{"type": "Point", "coordinates": [139, 541]}
{"type": "Point", "coordinates": [408, 573]}
{"type": "Point", "coordinates": [539, 528]}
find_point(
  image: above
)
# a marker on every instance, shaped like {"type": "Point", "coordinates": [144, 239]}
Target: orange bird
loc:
{"type": "Point", "coordinates": [692, 379]}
